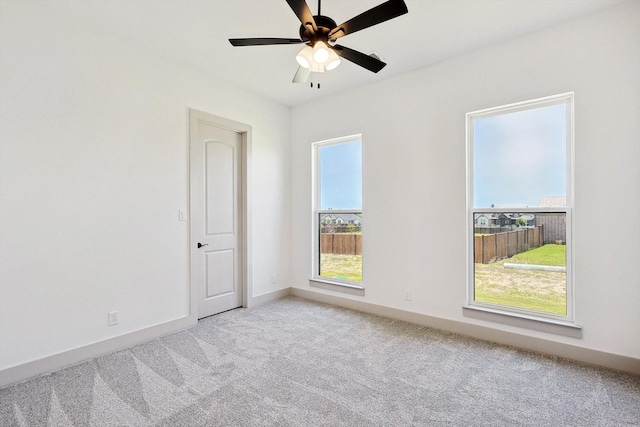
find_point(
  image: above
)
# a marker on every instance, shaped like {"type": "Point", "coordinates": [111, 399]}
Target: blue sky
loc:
{"type": "Point", "coordinates": [341, 176]}
{"type": "Point", "coordinates": [520, 157]}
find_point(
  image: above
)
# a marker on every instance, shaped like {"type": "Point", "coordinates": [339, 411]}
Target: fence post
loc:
{"type": "Point", "coordinates": [483, 259]}
{"type": "Point", "coordinates": [354, 244]}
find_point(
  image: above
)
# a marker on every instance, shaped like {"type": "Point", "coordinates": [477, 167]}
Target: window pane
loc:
{"type": "Point", "coordinates": [520, 260]}
{"type": "Point", "coordinates": [341, 176]}
{"type": "Point", "coordinates": [341, 246]}
{"type": "Point", "coordinates": [519, 179]}
{"type": "Point", "coordinates": [520, 159]}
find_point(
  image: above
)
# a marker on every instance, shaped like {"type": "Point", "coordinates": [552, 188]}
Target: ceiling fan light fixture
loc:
{"type": "Point", "coordinates": [319, 33]}
{"type": "Point", "coordinates": [333, 61]}
{"type": "Point", "coordinates": [305, 57]}
{"type": "Point", "coordinates": [317, 68]}
{"type": "Point", "coordinates": [320, 52]}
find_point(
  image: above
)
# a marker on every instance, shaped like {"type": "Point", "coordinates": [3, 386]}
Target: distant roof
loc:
{"type": "Point", "coordinates": [553, 201]}
{"type": "Point", "coordinates": [495, 215]}
{"type": "Point", "coordinates": [344, 216]}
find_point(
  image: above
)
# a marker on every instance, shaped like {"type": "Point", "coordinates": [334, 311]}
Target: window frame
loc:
{"type": "Point", "coordinates": [316, 279]}
{"type": "Point", "coordinates": [569, 319]}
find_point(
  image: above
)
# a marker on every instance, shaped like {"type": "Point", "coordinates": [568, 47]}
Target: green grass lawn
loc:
{"type": "Point", "coordinates": [345, 267]}
{"type": "Point", "coordinates": [543, 291]}
{"type": "Point", "coordinates": [528, 289]}
{"type": "Point", "coordinates": [544, 255]}
{"type": "Point", "coordinates": [528, 300]}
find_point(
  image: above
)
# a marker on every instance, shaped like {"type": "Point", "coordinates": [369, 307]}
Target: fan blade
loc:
{"type": "Point", "coordinates": [302, 75]}
{"type": "Point", "coordinates": [263, 41]}
{"type": "Point", "coordinates": [302, 11]}
{"type": "Point", "coordinates": [359, 58]}
{"type": "Point", "coordinates": [381, 13]}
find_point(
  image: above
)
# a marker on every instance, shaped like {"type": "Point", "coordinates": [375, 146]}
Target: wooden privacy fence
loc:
{"type": "Point", "coordinates": [341, 243]}
{"type": "Point", "coordinates": [493, 247]}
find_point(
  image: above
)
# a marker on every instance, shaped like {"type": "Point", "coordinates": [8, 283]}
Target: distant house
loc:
{"type": "Point", "coordinates": [483, 220]}
{"type": "Point", "coordinates": [341, 219]}
{"type": "Point", "coordinates": [504, 219]}
{"type": "Point", "coordinates": [530, 219]}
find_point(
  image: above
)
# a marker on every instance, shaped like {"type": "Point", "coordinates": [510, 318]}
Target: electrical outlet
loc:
{"type": "Point", "coordinates": [273, 279]}
{"type": "Point", "coordinates": [113, 318]}
{"type": "Point", "coordinates": [407, 294]}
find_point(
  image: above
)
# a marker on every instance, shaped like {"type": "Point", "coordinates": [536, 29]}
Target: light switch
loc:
{"type": "Point", "coordinates": [182, 215]}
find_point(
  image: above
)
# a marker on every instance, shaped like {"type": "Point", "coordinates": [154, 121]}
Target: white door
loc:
{"type": "Point", "coordinates": [216, 214]}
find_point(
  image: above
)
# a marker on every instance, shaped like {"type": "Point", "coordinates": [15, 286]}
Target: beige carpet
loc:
{"type": "Point", "coordinates": [293, 362]}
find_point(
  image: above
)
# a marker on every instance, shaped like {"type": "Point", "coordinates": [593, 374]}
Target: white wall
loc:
{"type": "Point", "coordinates": [413, 130]}
{"type": "Point", "coordinates": [94, 167]}
{"type": "Point", "coordinates": [93, 170]}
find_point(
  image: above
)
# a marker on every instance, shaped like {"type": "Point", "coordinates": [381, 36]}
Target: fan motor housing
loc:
{"type": "Point", "coordinates": [324, 24]}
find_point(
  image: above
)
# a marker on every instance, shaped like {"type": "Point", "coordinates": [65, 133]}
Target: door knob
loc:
{"type": "Point", "coordinates": [201, 245]}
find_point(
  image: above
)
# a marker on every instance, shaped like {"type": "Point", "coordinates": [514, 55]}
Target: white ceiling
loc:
{"type": "Point", "coordinates": [196, 32]}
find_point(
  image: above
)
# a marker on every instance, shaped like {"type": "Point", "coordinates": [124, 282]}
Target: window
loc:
{"type": "Point", "coordinates": [337, 213]}
{"type": "Point", "coordinates": [519, 205]}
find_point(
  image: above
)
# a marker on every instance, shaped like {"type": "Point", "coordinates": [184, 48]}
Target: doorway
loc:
{"type": "Point", "coordinates": [218, 213]}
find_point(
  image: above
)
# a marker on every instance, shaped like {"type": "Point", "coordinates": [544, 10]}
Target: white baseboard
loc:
{"type": "Point", "coordinates": [58, 361]}
{"type": "Point", "coordinates": [270, 296]}
{"type": "Point", "coordinates": [566, 351]}
{"type": "Point", "coordinates": [71, 357]}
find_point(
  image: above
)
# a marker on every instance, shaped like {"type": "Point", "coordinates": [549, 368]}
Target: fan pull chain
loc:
{"type": "Point", "coordinates": [318, 76]}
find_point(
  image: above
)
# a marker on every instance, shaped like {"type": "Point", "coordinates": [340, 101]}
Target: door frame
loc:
{"type": "Point", "coordinates": [245, 131]}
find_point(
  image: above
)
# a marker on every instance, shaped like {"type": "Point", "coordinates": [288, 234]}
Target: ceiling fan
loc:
{"type": "Point", "coordinates": [320, 33]}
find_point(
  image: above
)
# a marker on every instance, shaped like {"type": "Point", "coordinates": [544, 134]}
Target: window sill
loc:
{"type": "Point", "coordinates": [559, 327]}
{"type": "Point", "coordinates": [330, 285]}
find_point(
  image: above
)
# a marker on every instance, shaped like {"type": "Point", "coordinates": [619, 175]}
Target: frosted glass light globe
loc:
{"type": "Point", "coordinates": [305, 57]}
{"type": "Point", "coordinates": [320, 52]}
